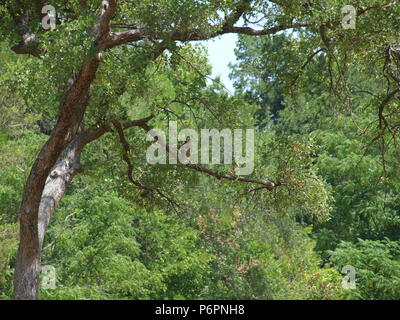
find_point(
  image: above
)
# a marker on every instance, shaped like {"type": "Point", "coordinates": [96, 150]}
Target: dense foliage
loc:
{"type": "Point", "coordinates": [359, 164]}
{"type": "Point", "coordinates": [326, 134]}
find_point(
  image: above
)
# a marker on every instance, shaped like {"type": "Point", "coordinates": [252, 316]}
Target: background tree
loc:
{"type": "Point", "coordinates": [352, 123]}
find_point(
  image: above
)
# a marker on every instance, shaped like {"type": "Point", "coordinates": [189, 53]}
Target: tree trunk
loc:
{"type": "Point", "coordinates": [56, 164]}
{"type": "Point", "coordinates": [27, 271]}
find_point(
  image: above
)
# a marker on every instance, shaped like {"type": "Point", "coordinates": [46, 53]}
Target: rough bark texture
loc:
{"type": "Point", "coordinates": [72, 110]}
{"type": "Point", "coordinates": [67, 166]}
{"type": "Point", "coordinates": [57, 182]}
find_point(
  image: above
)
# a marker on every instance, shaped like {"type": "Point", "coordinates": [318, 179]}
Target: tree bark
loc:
{"type": "Point", "coordinates": [27, 271]}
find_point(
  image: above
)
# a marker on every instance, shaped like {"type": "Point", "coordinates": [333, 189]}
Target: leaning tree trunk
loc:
{"type": "Point", "coordinates": [53, 168]}
{"type": "Point", "coordinates": [27, 269]}
{"type": "Point", "coordinates": [41, 177]}
{"type": "Point", "coordinates": [32, 232]}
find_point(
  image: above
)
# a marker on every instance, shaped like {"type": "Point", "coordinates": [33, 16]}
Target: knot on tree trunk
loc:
{"type": "Point", "coordinates": [54, 174]}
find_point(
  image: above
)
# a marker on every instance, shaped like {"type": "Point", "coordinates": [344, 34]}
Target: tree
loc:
{"type": "Point", "coordinates": [356, 145]}
{"type": "Point", "coordinates": [82, 56]}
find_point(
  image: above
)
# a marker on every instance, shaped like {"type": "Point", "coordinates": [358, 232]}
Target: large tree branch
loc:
{"type": "Point", "coordinates": [137, 34]}
{"type": "Point", "coordinates": [109, 39]}
{"type": "Point", "coordinates": [263, 32]}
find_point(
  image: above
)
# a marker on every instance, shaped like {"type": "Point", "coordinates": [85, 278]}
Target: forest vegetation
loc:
{"type": "Point", "coordinates": [78, 194]}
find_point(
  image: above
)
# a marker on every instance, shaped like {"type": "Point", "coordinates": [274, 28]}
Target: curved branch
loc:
{"type": "Point", "coordinates": [125, 156]}
{"type": "Point", "coordinates": [269, 185]}
{"type": "Point", "coordinates": [137, 34]}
